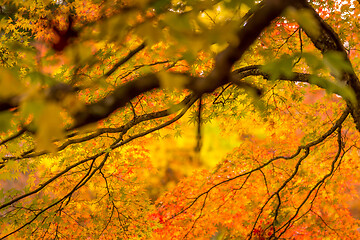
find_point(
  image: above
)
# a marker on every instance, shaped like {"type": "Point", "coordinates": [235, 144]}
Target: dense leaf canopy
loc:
{"type": "Point", "coordinates": [179, 119]}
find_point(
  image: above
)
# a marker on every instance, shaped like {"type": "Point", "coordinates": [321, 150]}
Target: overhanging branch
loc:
{"type": "Point", "coordinates": [328, 40]}
{"type": "Point", "coordinates": [220, 75]}
{"type": "Point", "coordinates": [267, 11]}
{"type": "Point", "coordinates": [255, 70]}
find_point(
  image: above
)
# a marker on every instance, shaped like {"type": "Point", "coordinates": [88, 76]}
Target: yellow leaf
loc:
{"type": "Point", "coordinates": [49, 127]}
{"type": "Point", "coordinates": [150, 32]}
{"type": "Point", "coordinates": [9, 84]}
{"type": "Point", "coordinates": [171, 80]}
{"type": "Point", "coordinates": [216, 48]}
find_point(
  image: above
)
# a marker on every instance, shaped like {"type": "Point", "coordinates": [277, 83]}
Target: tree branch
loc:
{"type": "Point", "coordinates": [255, 70]}
{"type": "Point", "coordinates": [122, 129]}
{"type": "Point", "coordinates": [219, 76]}
{"type": "Point", "coordinates": [188, 102]}
{"type": "Point", "coordinates": [328, 40]}
{"type": "Point", "coordinates": [125, 59]}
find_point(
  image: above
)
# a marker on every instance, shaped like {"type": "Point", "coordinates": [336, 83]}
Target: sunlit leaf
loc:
{"type": "Point", "coordinates": [49, 127]}
{"type": "Point", "coordinates": [9, 83]}
{"type": "Point", "coordinates": [171, 80]}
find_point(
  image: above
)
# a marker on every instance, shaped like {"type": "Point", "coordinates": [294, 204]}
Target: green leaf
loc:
{"type": "Point", "coordinates": [13, 166]}
{"type": "Point", "coordinates": [335, 87]}
{"type": "Point", "coordinates": [179, 23]}
{"type": "Point", "coordinates": [5, 121]}
{"type": "Point", "coordinates": [337, 63]}
{"type": "Point", "coordinates": [189, 56]}
{"type": "Point", "coordinates": [150, 32]}
{"type": "Point", "coordinates": [36, 77]}
{"type": "Point", "coordinates": [10, 82]}
{"type": "Point", "coordinates": [31, 108]}
{"type": "Point", "coordinates": [306, 20]}
{"type": "Point", "coordinates": [160, 5]}
{"type": "Point", "coordinates": [235, 3]}
{"type": "Point", "coordinates": [313, 61]}
{"type": "Point", "coordinates": [281, 67]}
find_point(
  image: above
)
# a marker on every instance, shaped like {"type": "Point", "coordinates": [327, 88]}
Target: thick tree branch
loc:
{"type": "Point", "coordinates": [328, 40]}
{"type": "Point", "coordinates": [255, 70]}
{"type": "Point", "coordinates": [247, 35]}
{"type": "Point", "coordinates": [8, 103]}
{"type": "Point", "coordinates": [220, 75]}
{"type": "Point", "coordinates": [117, 99]}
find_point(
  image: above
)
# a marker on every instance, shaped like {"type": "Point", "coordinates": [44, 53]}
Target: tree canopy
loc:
{"type": "Point", "coordinates": [179, 119]}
